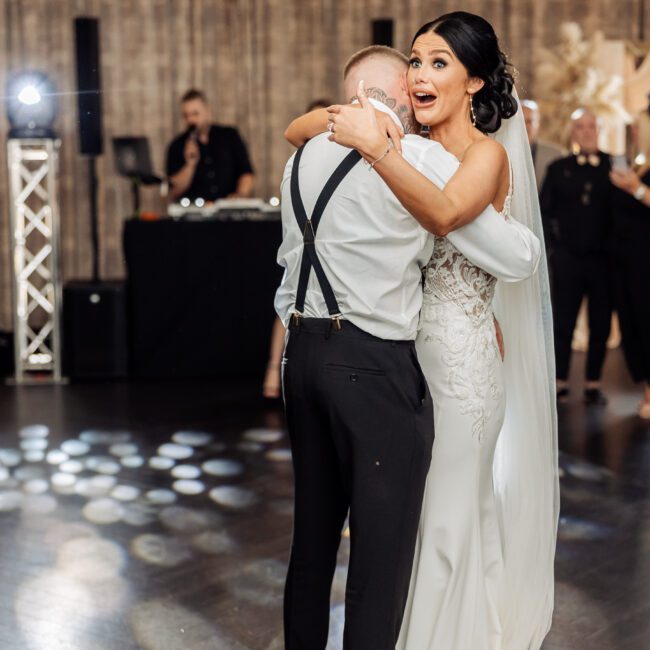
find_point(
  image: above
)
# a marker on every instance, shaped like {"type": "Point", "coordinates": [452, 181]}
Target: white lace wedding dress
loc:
{"type": "Point", "coordinates": [454, 599]}
{"type": "Point", "coordinates": [483, 569]}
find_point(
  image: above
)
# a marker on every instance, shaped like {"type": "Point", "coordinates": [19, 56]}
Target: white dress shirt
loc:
{"type": "Point", "coordinates": [372, 250]}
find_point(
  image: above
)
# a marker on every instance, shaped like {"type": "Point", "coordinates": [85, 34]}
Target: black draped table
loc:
{"type": "Point", "coordinates": [201, 296]}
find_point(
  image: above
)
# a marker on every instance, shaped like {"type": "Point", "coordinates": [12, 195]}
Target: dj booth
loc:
{"type": "Point", "coordinates": [200, 290]}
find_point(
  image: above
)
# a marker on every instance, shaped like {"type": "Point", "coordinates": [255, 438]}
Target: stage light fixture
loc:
{"type": "Point", "coordinates": [29, 95]}
{"type": "Point", "coordinates": [31, 105]}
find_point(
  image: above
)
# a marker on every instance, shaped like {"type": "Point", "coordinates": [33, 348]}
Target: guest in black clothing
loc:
{"type": "Point", "coordinates": [632, 273]}
{"type": "Point", "coordinates": [207, 161]}
{"type": "Point", "coordinates": [576, 203]}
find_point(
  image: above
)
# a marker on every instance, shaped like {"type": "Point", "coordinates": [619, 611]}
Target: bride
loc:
{"type": "Point", "coordinates": [483, 570]}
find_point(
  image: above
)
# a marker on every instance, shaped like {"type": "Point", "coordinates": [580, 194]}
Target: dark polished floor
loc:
{"type": "Point", "coordinates": [158, 516]}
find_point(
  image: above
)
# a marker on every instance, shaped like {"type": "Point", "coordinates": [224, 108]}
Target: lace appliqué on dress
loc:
{"type": "Point", "coordinates": [453, 283]}
{"type": "Point", "coordinates": [451, 277]}
{"type": "Point", "coordinates": [457, 302]}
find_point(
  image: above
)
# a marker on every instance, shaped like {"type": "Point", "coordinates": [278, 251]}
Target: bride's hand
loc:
{"type": "Point", "coordinates": [365, 129]}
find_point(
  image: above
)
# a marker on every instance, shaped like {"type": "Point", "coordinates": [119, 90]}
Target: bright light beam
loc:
{"type": "Point", "coordinates": [29, 95]}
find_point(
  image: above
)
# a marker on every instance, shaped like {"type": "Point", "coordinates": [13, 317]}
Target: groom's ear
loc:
{"type": "Point", "coordinates": [403, 84]}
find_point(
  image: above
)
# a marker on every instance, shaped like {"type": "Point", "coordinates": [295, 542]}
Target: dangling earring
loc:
{"type": "Point", "coordinates": [471, 109]}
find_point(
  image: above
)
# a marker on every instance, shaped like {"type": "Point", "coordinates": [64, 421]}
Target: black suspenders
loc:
{"type": "Point", "coordinates": [309, 227]}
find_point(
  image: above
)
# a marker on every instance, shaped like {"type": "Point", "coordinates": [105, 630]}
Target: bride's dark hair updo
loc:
{"type": "Point", "coordinates": [476, 46]}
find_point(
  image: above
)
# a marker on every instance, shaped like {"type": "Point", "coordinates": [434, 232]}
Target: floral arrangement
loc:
{"type": "Point", "coordinates": [568, 77]}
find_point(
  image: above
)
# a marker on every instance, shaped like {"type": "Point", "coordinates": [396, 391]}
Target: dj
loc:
{"type": "Point", "coordinates": [207, 161]}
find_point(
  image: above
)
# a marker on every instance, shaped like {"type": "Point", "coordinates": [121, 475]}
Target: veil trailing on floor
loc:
{"type": "Point", "coordinates": [526, 462]}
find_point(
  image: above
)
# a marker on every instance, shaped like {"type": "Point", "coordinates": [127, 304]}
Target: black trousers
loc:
{"type": "Point", "coordinates": [632, 272]}
{"type": "Point", "coordinates": [360, 419]}
{"type": "Point", "coordinates": [575, 277]}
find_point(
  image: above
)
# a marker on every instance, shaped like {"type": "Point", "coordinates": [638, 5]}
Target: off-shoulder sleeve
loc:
{"type": "Point", "coordinates": [504, 248]}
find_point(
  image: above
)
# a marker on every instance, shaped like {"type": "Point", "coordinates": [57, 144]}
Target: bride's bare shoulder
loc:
{"type": "Point", "coordinates": [486, 151]}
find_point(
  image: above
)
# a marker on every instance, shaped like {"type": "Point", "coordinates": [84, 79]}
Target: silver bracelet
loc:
{"type": "Point", "coordinates": [640, 191]}
{"type": "Point", "coordinates": [383, 155]}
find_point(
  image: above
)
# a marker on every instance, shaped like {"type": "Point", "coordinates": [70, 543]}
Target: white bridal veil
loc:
{"type": "Point", "coordinates": [526, 462]}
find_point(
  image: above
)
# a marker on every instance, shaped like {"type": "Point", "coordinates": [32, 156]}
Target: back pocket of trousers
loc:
{"type": "Point", "coordinates": [373, 372]}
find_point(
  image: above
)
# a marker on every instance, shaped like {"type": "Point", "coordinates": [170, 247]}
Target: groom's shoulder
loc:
{"type": "Point", "coordinates": [319, 158]}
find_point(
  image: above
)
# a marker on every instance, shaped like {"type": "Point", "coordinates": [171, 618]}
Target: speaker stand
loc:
{"type": "Point", "coordinates": [94, 220]}
{"type": "Point", "coordinates": [135, 191]}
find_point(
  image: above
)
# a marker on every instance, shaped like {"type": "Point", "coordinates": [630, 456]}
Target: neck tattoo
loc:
{"type": "Point", "coordinates": [404, 113]}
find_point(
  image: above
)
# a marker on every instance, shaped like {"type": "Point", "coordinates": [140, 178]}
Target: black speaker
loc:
{"type": "Point", "coordinates": [94, 330]}
{"type": "Point", "coordinates": [382, 32]}
{"type": "Point", "coordinates": [89, 85]}
{"type": "Point", "coordinates": [6, 354]}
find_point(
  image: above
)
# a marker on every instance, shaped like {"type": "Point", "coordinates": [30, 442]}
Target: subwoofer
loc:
{"type": "Point", "coordinates": [6, 354]}
{"type": "Point", "coordinates": [94, 330]}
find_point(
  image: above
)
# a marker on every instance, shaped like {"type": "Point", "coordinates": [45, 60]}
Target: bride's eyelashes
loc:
{"type": "Point", "coordinates": [438, 63]}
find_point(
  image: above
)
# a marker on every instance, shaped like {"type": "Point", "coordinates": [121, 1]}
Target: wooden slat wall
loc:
{"type": "Point", "coordinates": [260, 61]}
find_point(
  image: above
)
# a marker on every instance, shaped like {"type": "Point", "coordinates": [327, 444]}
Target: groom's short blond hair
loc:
{"type": "Point", "coordinates": [374, 51]}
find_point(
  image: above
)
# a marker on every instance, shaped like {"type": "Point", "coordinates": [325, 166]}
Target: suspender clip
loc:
{"type": "Point", "coordinates": [336, 322]}
{"type": "Point", "coordinates": [296, 318]}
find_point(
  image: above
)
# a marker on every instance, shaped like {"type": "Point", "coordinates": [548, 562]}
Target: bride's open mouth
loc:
{"type": "Point", "coordinates": [423, 99]}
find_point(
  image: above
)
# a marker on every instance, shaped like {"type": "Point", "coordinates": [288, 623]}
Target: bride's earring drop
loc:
{"type": "Point", "coordinates": [471, 109]}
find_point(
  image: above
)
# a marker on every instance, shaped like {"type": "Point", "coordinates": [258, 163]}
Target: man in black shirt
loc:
{"type": "Point", "coordinates": [207, 161]}
{"type": "Point", "coordinates": [577, 210]}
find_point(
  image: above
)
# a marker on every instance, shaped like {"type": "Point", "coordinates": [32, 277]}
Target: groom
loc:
{"type": "Point", "coordinates": [359, 412]}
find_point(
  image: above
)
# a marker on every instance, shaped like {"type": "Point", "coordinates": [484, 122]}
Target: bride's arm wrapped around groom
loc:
{"type": "Point", "coordinates": [503, 247]}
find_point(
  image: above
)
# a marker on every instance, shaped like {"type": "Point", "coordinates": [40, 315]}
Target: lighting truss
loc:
{"type": "Point", "coordinates": [33, 167]}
